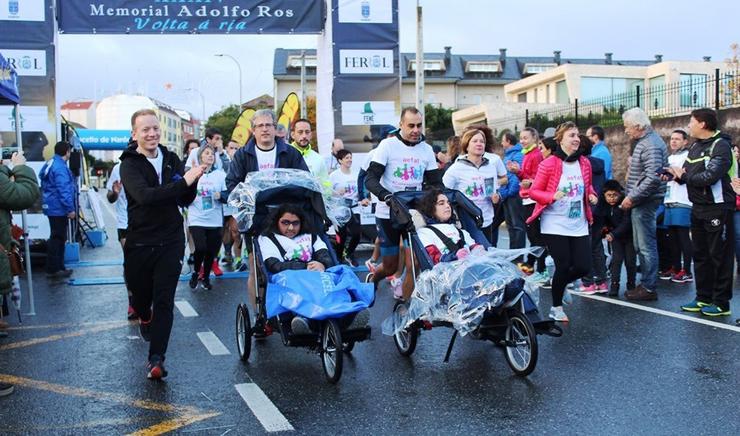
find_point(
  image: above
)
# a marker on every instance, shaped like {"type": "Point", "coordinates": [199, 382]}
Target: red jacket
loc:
{"type": "Point", "coordinates": [546, 183]}
{"type": "Point", "coordinates": [531, 162]}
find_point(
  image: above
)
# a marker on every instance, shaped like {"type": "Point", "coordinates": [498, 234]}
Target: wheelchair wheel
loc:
{"type": "Point", "coordinates": [521, 344]}
{"type": "Point", "coordinates": [243, 332]}
{"type": "Point", "coordinates": [405, 339]}
{"type": "Point", "coordinates": [347, 347]}
{"type": "Point", "coordinates": [369, 277]}
{"type": "Point", "coordinates": [331, 350]}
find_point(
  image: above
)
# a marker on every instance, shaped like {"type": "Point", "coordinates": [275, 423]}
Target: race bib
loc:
{"type": "Point", "coordinates": [574, 211]}
{"type": "Point", "coordinates": [207, 202]}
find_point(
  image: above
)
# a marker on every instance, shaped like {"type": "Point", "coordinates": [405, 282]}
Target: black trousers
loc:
{"type": "Point", "coordinates": [349, 236]}
{"type": "Point", "coordinates": [152, 274]}
{"type": "Point", "coordinates": [664, 248]}
{"type": "Point", "coordinates": [597, 273]}
{"type": "Point", "coordinates": [680, 245]}
{"type": "Point", "coordinates": [623, 251]}
{"type": "Point", "coordinates": [55, 244]}
{"type": "Point", "coordinates": [713, 234]}
{"type": "Point", "coordinates": [207, 241]}
{"type": "Point", "coordinates": [535, 237]}
{"type": "Point", "coordinates": [572, 257]}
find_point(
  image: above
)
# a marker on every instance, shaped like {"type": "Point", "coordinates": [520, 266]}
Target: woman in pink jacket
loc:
{"type": "Point", "coordinates": [563, 193]}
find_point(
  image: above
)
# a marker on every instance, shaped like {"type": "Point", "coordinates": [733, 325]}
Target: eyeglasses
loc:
{"type": "Point", "coordinates": [288, 223]}
{"type": "Point", "coordinates": [264, 126]}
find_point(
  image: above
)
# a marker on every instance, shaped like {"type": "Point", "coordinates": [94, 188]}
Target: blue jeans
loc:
{"type": "Point", "coordinates": [646, 244]}
{"type": "Point", "coordinates": [514, 215]}
{"type": "Point", "coordinates": [736, 219]}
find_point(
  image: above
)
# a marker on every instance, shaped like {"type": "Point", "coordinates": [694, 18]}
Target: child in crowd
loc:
{"type": "Point", "coordinates": [617, 231]}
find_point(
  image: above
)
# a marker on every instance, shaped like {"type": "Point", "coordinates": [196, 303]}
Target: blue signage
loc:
{"type": "Point", "coordinates": [8, 82]}
{"type": "Point", "coordinates": [103, 139]}
{"type": "Point", "coordinates": [191, 16]}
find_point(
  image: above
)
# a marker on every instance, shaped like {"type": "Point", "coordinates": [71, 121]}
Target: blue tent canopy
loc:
{"type": "Point", "coordinates": [8, 83]}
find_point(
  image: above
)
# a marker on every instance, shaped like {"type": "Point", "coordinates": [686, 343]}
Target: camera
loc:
{"type": "Point", "coordinates": [7, 153]}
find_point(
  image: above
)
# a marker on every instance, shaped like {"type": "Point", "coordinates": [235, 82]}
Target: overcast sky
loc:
{"type": "Point", "coordinates": [95, 66]}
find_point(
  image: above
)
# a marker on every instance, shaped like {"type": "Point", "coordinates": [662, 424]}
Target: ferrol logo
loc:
{"type": "Point", "coordinates": [27, 62]}
{"type": "Point", "coordinates": [366, 61]}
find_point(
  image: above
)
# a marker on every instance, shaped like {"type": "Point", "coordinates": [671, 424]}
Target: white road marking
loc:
{"type": "Point", "coordinates": [213, 344]}
{"type": "Point", "coordinates": [266, 412]}
{"type": "Point", "coordinates": [661, 312]}
{"type": "Point", "coordinates": [185, 308]}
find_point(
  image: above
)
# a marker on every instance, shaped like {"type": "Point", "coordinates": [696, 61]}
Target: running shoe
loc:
{"type": "Point", "coordinates": [714, 310]}
{"type": "Point", "coordinates": [558, 314]}
{"type": "Point", "coordinates": [397, 288]}
{"type": "Point", "coordinates": [155, 368]}
{"type": "Point", "coordinates": [666, 274]}
{"type": "Point", "coordinates": [682, 277]}
{"type": "Point", "coordinates": [227, 260]}
{"type": "Point", "coordinates": [236, 264]}
{"type": "Point", "coordinates": [694, 306]}
{"type": "Point", "coordinates": [217, 271]}
{"type": "Point", "coordinates": [132, 314]}
{"type": "Point", "coordinates": [587, 289]}
{"type": "Point", "coordinates": [601, 289]}
{"type": "Point", "coordinates": [207, 284]}
{"type": "Point", "coordinates": [299, 326]}
{"type": "Point", "coordinates": [547, 284]}
{"type": "Point", "coordinates": [193, 283]}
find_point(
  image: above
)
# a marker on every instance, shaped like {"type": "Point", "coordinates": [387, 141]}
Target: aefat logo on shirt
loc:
{"type": "Point", "coordinates": [22, 10]}
{"type": "Point", "coordinates": [365, 11]}
{"type": "Point", "coordinates": [28, 63]}
{"type": "Point", "coordinates": [365, 61]}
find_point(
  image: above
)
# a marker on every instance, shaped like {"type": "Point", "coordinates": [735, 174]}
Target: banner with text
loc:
{"type": "Point", "coordinates": [191, 16]}
{"type": "Point", "coordinates": [366, 88]}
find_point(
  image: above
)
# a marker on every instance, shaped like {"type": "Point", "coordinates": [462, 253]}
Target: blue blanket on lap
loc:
{"type": "Point", "coordinates": [316, 295]}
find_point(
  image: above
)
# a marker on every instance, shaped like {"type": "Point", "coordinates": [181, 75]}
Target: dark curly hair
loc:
{"type": "Point", "coordinates": [428, 203]}
{"type": "Point", "coordinates": [292, 209]}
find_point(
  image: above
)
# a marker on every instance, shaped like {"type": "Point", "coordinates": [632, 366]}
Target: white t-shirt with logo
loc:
{"type": "Point", "coordinates": [677, 192]}
{"type": "Point", "coordinates": [265, 159]}
{"type": "Point", "coordinates": [567, 216]}
{"type": "Point", "coordinates": [404, 168]}
{"type": "Point", "coordinates": [428, 237]}
{"type": "Point", "coordinates": [347, 182]}
{"type": "Point", "coordinates": [157, 164]}
{"type": "Point", "coordinates": [121, 204]}
{"type": "Point", "coordinates": [206, 211]}
{"type": "Point", "coordinates": [478, 184]}
{"type": "Point", "coordinates": [298, 248]}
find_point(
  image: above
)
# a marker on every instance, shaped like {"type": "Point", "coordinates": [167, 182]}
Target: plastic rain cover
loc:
{"type": "Point", "coordinates": [244, 194]}
{"type": "Point", "coordinates": [460, 292]}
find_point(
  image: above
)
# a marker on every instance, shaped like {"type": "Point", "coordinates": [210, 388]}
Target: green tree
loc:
{"type": "Point", "coordinates": [224, 120]}
{"type": "Point", "coordinates": [437, 123]}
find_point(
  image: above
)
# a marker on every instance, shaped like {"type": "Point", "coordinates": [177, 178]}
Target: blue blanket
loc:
{"type": "Point", "coordinates": [318, 295]}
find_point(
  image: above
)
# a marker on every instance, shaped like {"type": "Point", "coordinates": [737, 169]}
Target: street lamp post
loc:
{"type": "Point", "coordinates": [221, 55]}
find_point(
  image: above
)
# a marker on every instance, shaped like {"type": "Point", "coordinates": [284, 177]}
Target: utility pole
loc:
{"type": "Point", "coordinates": [419, 60]}
{"type": "Point", "coordinates": [303, 84]}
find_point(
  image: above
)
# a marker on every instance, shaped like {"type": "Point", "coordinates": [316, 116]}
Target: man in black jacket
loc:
{"type": "Point", "coordinates": [264, 151]}
{"type": "Point", "coordinates": [155, 242]}
{"type": "Point", "coordinates": [707, 174]}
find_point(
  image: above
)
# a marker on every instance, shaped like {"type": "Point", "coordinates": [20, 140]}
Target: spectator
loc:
{"type": "Point", "coordinates": [529, 139]}
{"type": "Point", "coordinates": [510, 199]}
{"type": "Point", "coordinates": [117, 196]}
{"type": "Point", "coordinates": [453, 150]}
{"type": "Point", "coordinates": [332, 163]}
{"type": "Point", "coordinates": [617, 231]}
{"type": "Point", "coordinates": [59, 205]}
{"type": "Point", "coordinates": [707, 173]}
{"type": "Point", "coordinates": [344, 184]}
{"type": "Point", "coordinates": [215, 139]}
{"type": "Point", "coordinates": [677, 215]}
{"type": "Point", "coordinates": [152, 259]}
{"type": "Point", "coordinates": [232, 239]}
{"type": "Point", "coordinates": [190, 145]}
{"type": "Point", "coordinates": [18, 190]}
{"type": "Point", "coordinates": [301, 135]}
{"type": "Point", "coordinates": [645, 192]}
{"type": "Point", "coordinates": [599, 150]}
{"type": "Point", "coordinates": [594, 282]}
{"type": "Point", "coordinates": [549, 133]}
{"type": "Point", "coordinates": [563, 192]}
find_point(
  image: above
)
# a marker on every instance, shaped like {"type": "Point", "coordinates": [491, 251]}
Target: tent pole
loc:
{"type": "Point", "coordinates": [29, 278]}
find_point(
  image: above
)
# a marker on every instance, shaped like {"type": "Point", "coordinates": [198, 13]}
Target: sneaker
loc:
{"type": "Point", "coordinates": [6, 389]}
{"type": "Point", "coordinates": [682, 277]}
{"type": "Point", "coordinates": [217, 271]}
{"type": "Point", "coordinates": [714, 310]}
{"type": "Point", "coordinates": [558, 314]}
{"type": "Point", "coordinates": [547, 284]}
{"type": "Point", "coordinates": [640, 293]}
{"type": "Point", "coordinates": [207, 284]}
{"type": "Point", "coordinates": [587, 289]}
{"type": "Point", "coordinates": [666, 274]}
{"type": "Point", "coordinates": [360, 320]}
{"type": "Point", "coordinates": [567, 297]}
{"type": "Point", "coordinates": [259, 330]}
{"type": "Point", "coordinates": [397, 288]}
{"type": "Point", "coordinates": [614, 290]}
{"type": "Point", "coordinates": [193, 283]}
{"type": "Point", "coordinates": [350, 260]}
{"type": "Point", "coordinates": [243, 267]}
{"type": "Point", "coordinates": [299, 326]}
{"type": "Point", "coordinates": [236, 264]}
{"type": "Point", "coordinates": [371, 266]}
{"type": "Point", "coordinates": [227, 260]}
{"type": "Point", "coordinates": [155, 368]}
{"type": "Point", "coordinates": [601, 289]}
{"type": "Point", "coordinates": [525, 268]}
{"type": "Point", "coordinates": [145, 329]}
{"type": "Point", "coordinates": [131, 314]}
{"type": "Point", "coordinates": [694, 306]}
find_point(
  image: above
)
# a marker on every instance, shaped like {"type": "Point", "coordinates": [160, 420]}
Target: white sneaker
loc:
{"type": "Point", "coordinates": [558, 314]}
{"type": "Point", "coordinates": [397, 288]}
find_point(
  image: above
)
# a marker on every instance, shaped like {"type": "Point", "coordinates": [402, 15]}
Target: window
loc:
{"type": "Point", "coordinates": [537, 68]}
{"type": "Point", "coordinates": [295, 61]}
{"type": "Point", "coordinates": [656, 92]}
{"type": "Point", "coordinates": [522, 98]}
{"type": "Point", "coordinates": [482, 67]}
{"type": "Point", "coordinates": [434, 65]}
{"type": "Point", "coordinates": [561, 93]}
{"type": "Point", "coordinates": [606, 87]}
{"type": "Point", "coordinates": [693, 90]}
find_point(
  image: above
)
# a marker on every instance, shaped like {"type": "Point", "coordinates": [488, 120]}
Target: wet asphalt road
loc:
{"type": "Point", "coordinates": [78, 367]}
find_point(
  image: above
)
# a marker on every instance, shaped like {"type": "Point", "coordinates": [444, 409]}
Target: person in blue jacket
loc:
{"type": "Point", "coordinates": [58, 204]}
{"type": "Point", "coordinates": [510, 200]}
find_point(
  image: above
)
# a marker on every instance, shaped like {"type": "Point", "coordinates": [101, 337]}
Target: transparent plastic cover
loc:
{"type": "Point", "coordinates": [245, 193]}
{"type": "Point", "coordinates": [460, 292]}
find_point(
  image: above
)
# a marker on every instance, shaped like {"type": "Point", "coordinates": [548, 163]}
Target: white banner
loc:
{"type": "Point", "coordinates": [33, 119]}
{"type": "Point", "coordinates": [365, 11]}
{"type": "Point", "coordinates": [367, 113]}
{"type": "Point", "coordinates": [22, 10]}
{"type": "Point", "coordinates": [26, 62]}
{"type": "Point", "coordinates": [365, 61]}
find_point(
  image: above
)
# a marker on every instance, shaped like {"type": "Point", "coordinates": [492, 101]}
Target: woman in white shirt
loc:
{"type": "Point", "coordinates": [678, 213]}
{"type": "Point", "coordinates": [478, 175]}
{"type": "Point", "coordinates": [344, 184]}
{"type": "Point", "coordinates": [205, 217]}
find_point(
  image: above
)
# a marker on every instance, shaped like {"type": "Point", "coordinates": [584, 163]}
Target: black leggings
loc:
{"type": "Point", "coordinates": [536, 238]}
{"type": "Point", "coordinates": [350, 231]}
{"type": "Point", "coordinates": [680, 245]}
{"type": "Point", "coordinates": [207, 241]}
{"type": "Point", "coordinates": [572, 256]}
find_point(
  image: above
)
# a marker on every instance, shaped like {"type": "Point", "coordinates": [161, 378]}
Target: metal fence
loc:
{"type": "Point", "coordinates": [718, 91]}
